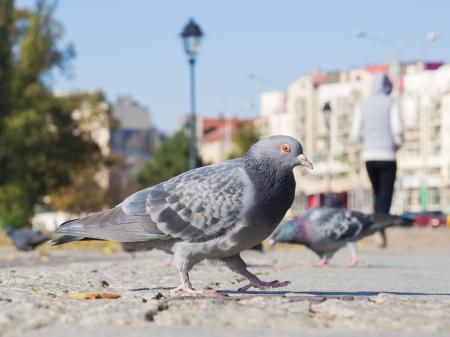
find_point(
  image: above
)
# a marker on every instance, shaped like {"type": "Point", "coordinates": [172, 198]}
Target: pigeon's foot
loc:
{"type": "Point", "coordinates": [321, 263]}
{"type": "Point", "coordinates": [189, 290]}
{"type": "Point", "coordinates": [264, 285]}
{"type": "Point", "coordinates": [168, 262]}
{"type": "Point", "coordinates": [353, 263]}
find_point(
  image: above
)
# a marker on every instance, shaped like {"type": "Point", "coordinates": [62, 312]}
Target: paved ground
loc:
{"type": "Point", "coordinates": [404, 289]}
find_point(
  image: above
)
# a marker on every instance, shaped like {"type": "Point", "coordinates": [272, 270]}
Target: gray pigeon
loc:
{"type": "Point", "coordinates": [325, 230]}
{"type": "Point", "coordinates": [212, 212]}
{"type": "Point", "coordinates": [26, 239]}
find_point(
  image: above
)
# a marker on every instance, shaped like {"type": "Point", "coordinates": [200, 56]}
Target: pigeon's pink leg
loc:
{"type": "Point", "coordinates": [264, 285]}
{"type": "Point", "coordinates": [168, 262]}
{"type": "Point", "coordinates": [186, 287]}
{"type": "Point", "coordinates": [189, 290]}
{"type": "Point", "coordinates": [354, 261]}
{"type": "Point", "coordinates": [236, 264]}
{"type": "Point", "coordinates": [321, 263]}
{"type": "Point", "coordinates": [183, 265]}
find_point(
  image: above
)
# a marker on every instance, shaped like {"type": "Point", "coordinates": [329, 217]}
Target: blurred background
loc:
{"type": "Point", "coordinates": [99, 99]}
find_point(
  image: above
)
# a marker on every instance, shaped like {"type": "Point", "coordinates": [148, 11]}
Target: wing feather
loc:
{"type": "Point", "coordinates": [340, 224]}
{"type": "Point", "coordinates": [198, 205]}
{"type": "Point", "coordinates": [113, 224]}
{"type": "Point", "coordinates": [195, 206]}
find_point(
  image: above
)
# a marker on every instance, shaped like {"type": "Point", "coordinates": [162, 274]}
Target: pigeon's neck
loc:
{"type": "Point", "coordinates": [275, 186]}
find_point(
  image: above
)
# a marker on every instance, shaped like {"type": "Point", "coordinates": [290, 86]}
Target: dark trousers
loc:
{"type": "Point", "coordinates": [382, 177]}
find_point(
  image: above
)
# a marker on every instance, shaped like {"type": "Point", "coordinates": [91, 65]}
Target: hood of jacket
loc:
{"type": "Point", "coordinates": [381, 85]}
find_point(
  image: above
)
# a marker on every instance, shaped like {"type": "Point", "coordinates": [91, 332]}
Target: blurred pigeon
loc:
{"type": "Point", "coordinates": [212, 212]}
{"type": "Point", "coordinates": [325, 230]}
{"type": "Point", "coordinates": [26, 239]}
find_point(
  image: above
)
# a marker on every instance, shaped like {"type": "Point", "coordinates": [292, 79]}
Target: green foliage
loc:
{"type": "Point", "coordinates": [42, 146]}
{"type": "Point", "coordinates": [83, 195]}
{"type": "Point", "coordinates": [244, 137]}
{"type": "Point", "coordinates": [169, 159]}
{"type": "Point", "coordinates": [14, 205]}
{"type": "Point", "coordinates": [6, 20]}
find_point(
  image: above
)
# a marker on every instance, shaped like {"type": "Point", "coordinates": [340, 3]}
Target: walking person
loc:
{"type": "Point", "coordinates": [377, 126]}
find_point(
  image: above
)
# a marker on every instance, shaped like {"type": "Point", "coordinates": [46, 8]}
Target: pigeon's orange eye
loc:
{"type": "Point", "coordinates": [285, 148]}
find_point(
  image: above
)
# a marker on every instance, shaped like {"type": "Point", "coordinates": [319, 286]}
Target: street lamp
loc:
{"type": "Point", "coordinates": [327, 112]}
{"type": "Point", "coordinates": [192, 36]}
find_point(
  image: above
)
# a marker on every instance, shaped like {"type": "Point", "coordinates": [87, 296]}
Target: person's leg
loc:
{"type": "Point", "coordinates": [374, 172]}
{"type": "Point", "coordinates": [387, 179]}
{"type": "Point", "coordinates": [386, 190]}
{"type": "Point", "coordinates": [374, 176]}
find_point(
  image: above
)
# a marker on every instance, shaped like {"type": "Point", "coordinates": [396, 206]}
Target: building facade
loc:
{"type": "Point", "coordinates": [318, 109]}
{"type": "Point", "coordinates": [215, 137]}
{"type": "Point", "coordinates": [133, 141]}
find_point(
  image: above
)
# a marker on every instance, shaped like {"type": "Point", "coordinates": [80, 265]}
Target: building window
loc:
{"type": "Point", "coordinates": [436, 150]}
{"type": "Point", "coordinates": [435, 196]}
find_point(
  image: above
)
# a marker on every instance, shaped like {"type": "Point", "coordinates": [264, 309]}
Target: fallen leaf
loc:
{"type": "Point", "coordinates": [326, 315]}
{"type": "Point", "coordinates": [93, 296]}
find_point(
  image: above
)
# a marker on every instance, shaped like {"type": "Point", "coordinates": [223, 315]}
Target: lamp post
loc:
{"type": "Point", "coordinates": [328, 112]}
{"type": "Point", "coordinates": [192, 36]}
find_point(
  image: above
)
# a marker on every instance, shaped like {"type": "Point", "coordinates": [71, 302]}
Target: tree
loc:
{"type": "Point", "coordinates": [90, 189]}
{"type": "Point", "coordinates": [42, 145]}
{"type": "Point", "coordinates": [244, 137]}
{"type": "Point", "coordinates": [6, 20]}
{"type": "Point", "coordinates": [169, 159]}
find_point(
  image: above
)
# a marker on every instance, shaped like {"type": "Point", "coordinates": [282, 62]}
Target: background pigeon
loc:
{"type": "Point", "coordinates": [325, 230]}
{"type": "Point", "coordinates": [212, 212]}
{"type": "Point", "coordinates": [26, 239]}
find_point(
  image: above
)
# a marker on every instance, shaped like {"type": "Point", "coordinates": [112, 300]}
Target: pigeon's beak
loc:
{"type": "Point", "coordinates": [302, 160]}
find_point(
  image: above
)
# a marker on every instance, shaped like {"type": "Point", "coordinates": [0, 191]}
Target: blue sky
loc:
{"type": "Point", "coordinates": [133, 47]}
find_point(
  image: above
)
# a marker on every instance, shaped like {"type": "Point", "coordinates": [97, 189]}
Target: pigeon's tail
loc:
{"type": "Point", "coordinates": [275, 236]}
{"type": "Point", "coordinates": [65, 239]}
{"type": "Point", "coordinates": [283, 233]}
{"type": "Point", "coordinates": [39, 240]}
{"type": "Point", "coordinates": [383, 221]}
{"type": "Point", "coordinates": [112, 224]}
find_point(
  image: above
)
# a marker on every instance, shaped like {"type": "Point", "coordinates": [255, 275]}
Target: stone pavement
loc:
{"type": "Point", "coordinates": [402, 290]}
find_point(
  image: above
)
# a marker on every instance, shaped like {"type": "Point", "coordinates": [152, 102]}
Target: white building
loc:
{"type": "Point", "coordinates": [318, 111]}
{"type": "Point", "coordinates": [424, 160]}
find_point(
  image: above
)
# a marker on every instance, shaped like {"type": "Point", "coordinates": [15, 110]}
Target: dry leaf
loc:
{"type": "Point", "coordinates": [326, 315]}
{"type": "Point", "coordinates": [93, 296]}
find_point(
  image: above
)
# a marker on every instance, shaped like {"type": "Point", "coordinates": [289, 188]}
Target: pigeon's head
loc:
{"type": "Point", "coordinates": [283, 151]}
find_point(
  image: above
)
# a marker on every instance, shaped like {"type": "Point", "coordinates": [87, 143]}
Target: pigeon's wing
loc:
{"type": "Point", "coordinates": [339, 224]}
{"type": "Point", "coordinates": [196, 206]}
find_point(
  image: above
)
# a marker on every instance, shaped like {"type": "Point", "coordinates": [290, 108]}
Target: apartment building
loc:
{"type": "Point", "coordinates": [318, 109]}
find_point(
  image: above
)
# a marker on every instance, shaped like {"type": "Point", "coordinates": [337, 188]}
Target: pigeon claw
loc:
{"type": "Point", "coordinates": [321, 263]}
{"type": "Point", "coordinates": [192, 291]}
{"type": "Point", "coordinates": [264, 285]}
{"type": "Point", "coordinates": [352, 264]}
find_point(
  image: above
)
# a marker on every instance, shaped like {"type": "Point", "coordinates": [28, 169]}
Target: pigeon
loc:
{"type": "Point", "coordinates": [212, 212]}
{"type": "Point", "coordinates": [26, 239]}
{"type": "Point", "coordinates": [325, 230]}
